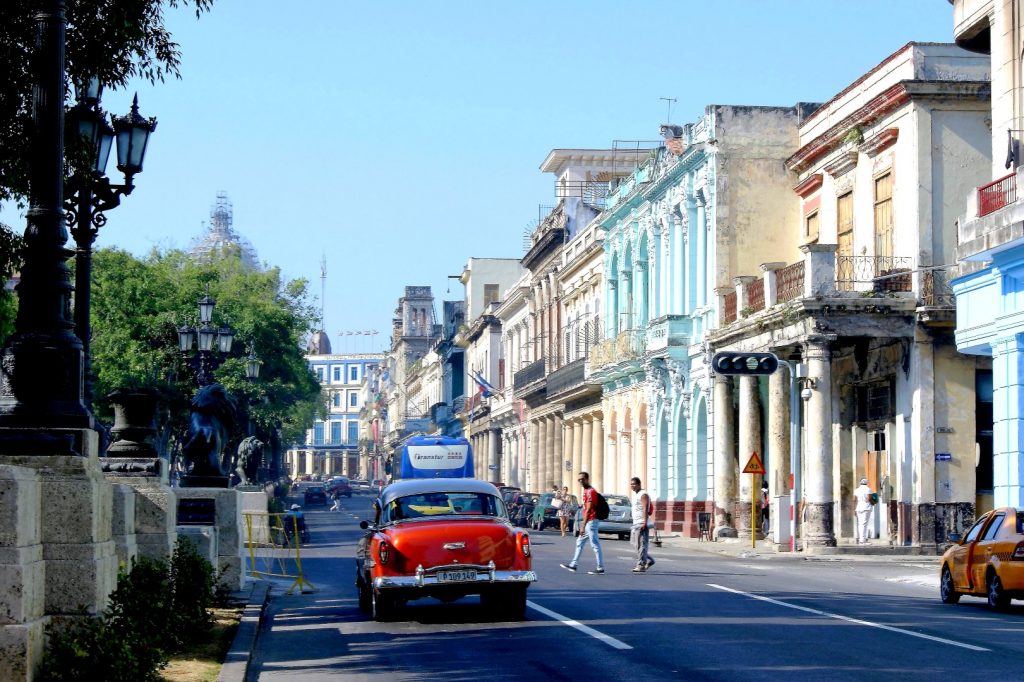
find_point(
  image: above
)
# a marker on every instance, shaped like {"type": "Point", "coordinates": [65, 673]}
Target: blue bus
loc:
{"type": "Point", "coordinates": [435, 457]}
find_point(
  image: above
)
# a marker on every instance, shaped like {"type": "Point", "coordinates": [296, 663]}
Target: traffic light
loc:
{"type": "Point", "coordinates": [744, 363]}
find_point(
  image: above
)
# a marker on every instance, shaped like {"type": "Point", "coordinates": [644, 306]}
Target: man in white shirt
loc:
{"type": "Point", "coordinates": [640, 532]}
{"type": "Point", "coordinates": [862, 495]}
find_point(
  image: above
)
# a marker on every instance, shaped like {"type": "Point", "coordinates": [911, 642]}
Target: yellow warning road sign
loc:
{"type": "Point", "coordinates": [754, 465]}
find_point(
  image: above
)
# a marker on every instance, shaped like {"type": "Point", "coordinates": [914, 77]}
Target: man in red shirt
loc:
{"type": "Point", "coordinates": [588, 527]}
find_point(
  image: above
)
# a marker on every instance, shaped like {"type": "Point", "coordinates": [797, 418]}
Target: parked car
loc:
{"type": "Point", "coordinates": [340, 485]}
{"type": "Point", "coordinates": [359, 485]}
{"type": "Point", "coordinates": [314, 494]}
{"type": "Point", "coordinates": [620, 517]}
{"type": "Point", "coordinates": [521, 507]}
{"type": "Point", "coordinates": [546, 514]}
{"type": "Point", "coordinates": [988, 561]}
{"type": "Point", "coordinates": [444, 538]}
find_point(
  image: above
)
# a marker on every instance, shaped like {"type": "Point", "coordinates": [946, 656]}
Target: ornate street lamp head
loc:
{"type": "Point", "coordinates": [225, 339]}
{"type": "Point", "coordinates": [186, 337]}
{"type": "Point", "coordinates": [207, 335]}
{"type": "Point", "coordinates": [133, 133]}
{"type": "Point", "coordinates": [206, 305]}
{"type": "Point", "coordinates": [252, 366]}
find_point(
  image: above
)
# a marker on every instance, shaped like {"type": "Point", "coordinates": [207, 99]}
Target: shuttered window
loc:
{"type": "Point", "coordinates": [883, 216]}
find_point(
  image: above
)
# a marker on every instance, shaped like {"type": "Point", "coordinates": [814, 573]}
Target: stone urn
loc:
{"type": "Point", "coordinates": [134, 422]}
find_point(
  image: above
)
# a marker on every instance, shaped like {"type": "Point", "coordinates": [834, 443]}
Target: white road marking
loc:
{"type": "Point", "coordinates": [848, 619]}
{"type": "Point", "coordinates": [610, 641]}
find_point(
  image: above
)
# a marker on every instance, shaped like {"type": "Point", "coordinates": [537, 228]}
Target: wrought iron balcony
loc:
{"type": "Point", "coordinates": [567, 377]}
{"type": "Point", "coordinates": [997, 194]}
{"type": "Point", "coordinates": [529, 374]}
{"type": "Point", "coordinates": [628, 345]}
{"type": "Point", "coordinates": [882, 273]}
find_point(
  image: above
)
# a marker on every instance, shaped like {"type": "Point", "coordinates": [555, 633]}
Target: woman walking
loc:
{"type": "Point", "coordinates": [564, 510]}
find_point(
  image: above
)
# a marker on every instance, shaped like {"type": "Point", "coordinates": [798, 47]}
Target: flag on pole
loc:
{"type": "Point", "coordinates": [485, 386]}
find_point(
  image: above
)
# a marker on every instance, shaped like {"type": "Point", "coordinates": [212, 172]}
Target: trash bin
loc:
{"type": "Point", "coordinates": [779, 519]}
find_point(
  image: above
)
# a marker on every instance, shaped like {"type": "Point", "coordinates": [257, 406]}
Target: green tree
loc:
{"type": "Point", "coordinates": [116, 40]}
{"type": "Point", "coordinates": [138, 304]}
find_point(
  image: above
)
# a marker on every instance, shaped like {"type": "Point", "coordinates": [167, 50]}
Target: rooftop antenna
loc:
{"type": "Point", "coordinates": [669, 100]}
{"type": "Point", "coordinates": [323, 286]}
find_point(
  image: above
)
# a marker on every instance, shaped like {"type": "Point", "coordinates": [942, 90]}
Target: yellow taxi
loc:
{"type": "Point", "coordinates": [988, 561]}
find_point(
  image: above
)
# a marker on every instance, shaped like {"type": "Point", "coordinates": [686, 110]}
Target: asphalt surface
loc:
{"type": "Point", "coordinates": [714, 612]}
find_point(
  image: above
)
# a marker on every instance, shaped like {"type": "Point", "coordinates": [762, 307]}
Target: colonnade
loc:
{"type": "Point", "coordinates": [554, 440]}
{"type": "Point", "coordinates": [734, 443]}
{"type": "Point", "coordinates": [486, 446]}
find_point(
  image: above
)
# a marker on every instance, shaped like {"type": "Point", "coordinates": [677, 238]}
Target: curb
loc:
{"type": "Point", "coordinates": [742, 550]}
{"type": "Point", "coordinates": [236, 664]}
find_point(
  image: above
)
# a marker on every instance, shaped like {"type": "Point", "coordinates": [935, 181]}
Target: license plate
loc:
{"type": "Point", "coordinates": [455, 576]}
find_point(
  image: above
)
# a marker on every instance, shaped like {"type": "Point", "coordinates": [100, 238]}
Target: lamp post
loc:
{"type": "Point", "coordinates": [41, 396]}
{"type": "Point", "coordinates": [213, 343]}
{"type": "Point", "coordinates": [89, 192]}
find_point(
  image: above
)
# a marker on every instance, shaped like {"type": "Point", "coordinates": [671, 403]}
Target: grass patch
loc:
{"type": "Point", "coordinates": [201, 662]}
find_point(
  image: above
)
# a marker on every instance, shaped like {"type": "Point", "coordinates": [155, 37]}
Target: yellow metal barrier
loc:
{"type": "Point", "coordinates": [275, 548]}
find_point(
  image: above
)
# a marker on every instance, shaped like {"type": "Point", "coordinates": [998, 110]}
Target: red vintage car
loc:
{"type": "Point", "coordinates": [444, 538]}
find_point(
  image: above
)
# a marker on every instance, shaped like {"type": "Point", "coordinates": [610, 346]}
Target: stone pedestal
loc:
{"type": "Point", "coordinates": [230, 531]}
{"type": "Point", "coordinates": [22, 573]}
{"type": "Point", "coordinates": [155, 502]}
{"type": "Point", "coordinates": [204, 538]}
{"type": "Point", "coordinates": [254, 502]}
{"type": "Point", "coordinates": [123, 528]}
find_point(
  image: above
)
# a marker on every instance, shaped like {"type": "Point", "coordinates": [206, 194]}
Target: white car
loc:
{"type": "Point", "coordinates": [620, 517]}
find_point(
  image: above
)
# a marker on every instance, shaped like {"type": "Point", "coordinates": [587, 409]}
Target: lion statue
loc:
{"type": "Point", "coordinates": [213, 417]}
{"type": "Point", "coordinates": [250, 458]}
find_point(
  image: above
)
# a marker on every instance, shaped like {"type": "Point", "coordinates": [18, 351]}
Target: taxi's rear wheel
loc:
{"type": "Point", "coordinates": [997, 598]}
{"type": "Point", "coordinates": [947, 590]}
{"type": "Point", "coordinates": [383, 607]}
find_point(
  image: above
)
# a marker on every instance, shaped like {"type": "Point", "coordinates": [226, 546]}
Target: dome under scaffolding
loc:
{"type": "Point", "coordinates": [221, 240]}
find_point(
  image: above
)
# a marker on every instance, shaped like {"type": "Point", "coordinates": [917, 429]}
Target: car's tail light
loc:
{"type": "Point", "coordinates": [1018, 552]}
{"type": "Point", "coordinates": [524, 544]}
{"type": "Point", "coordinates": [383, 551]}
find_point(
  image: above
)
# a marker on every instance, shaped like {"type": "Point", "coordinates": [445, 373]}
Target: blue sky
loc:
{"type": "Point", "coordinates": [401, 138]}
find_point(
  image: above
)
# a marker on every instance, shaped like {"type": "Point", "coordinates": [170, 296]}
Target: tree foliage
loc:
{"type": "Point", "coordinates": [116, 40]}
{"type": "Point", "coordinates": [138, 304]}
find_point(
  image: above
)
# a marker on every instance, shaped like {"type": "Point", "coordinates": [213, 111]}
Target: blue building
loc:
{"type": "Point", "coordinates": [332, 444]}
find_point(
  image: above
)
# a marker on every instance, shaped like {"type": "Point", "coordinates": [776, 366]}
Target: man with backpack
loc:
{"type": "Point", "coordinates": [594, 509]}
{"type": "Point", "coordinates": [640, 533]}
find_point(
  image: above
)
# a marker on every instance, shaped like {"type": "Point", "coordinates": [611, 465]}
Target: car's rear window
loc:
{"type": "Point", "coordinates": [617, 500]}
{"type": "Point", "coordinates": [444, 504]}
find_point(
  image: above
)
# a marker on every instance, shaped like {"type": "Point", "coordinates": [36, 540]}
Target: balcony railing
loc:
{"type": "Point", "coordinates": [884, 273]}
{"type": "Point", "coordinates": [997, 194]}
{"type": "Point", "coordinates": [936, 291]}
{"type": "Point", "coordinates": [755, 295]}
{"type": "Point", "coordinates": [529, 374]}
{"type": "Point", "coordinates": [628, 345]}
{"type": "Point", "coordinates": [789, 282]}
{"type": "Point", "coordinates": [566, 377]}
{"type": "Point", "coordinates": [590, 191]}
{"type": "Point", "coordinates": [729, 313]}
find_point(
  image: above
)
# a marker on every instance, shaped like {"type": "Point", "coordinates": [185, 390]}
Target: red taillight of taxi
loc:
{"type": "Point", "coordinates": [383, 552]}
{"type": "Point", "coordinates": [1018, 552]}
{"type": "Point", "coordinates": [524, 544]}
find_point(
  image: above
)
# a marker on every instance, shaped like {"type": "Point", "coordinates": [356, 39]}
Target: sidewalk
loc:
{"type": "Point", "coordinates": [875, 550]}
{"type": "Point", "coordinates": [236, 663]}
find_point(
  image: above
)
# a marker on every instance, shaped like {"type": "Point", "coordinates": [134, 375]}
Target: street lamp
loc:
{"type": "Point", "coordinates": [89, 192]}
{"type": "Point", "coordinates": [214, 343]}
{"type": "Point", "coordinates": [252, 366]}
{"type": "Point", "coordinates": [41, 399]}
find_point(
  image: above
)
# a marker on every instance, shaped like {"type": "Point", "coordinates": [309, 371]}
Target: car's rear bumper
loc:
{"type": "Point", "coordinates": [485, 575]}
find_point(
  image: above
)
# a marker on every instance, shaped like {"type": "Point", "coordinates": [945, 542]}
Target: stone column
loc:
{"type": "Point", "coordinates": [725, 464]}
{"type": "Point", "coordinates": [922, 423]}
{"type": "Point", "coordinates": [543, 447]}
{"type": "Point", "coordinates": [818, 524]}
{"type": "Point", "coordinates": [558, 460]}
{"type": "Point", "coordinates": [309, 462]}
{"type": "Point", "coordinates": [597, 452]}
{"type": "Point", "coordinates": [587, 447]}
{"type": "Point", "coordinates": [778, 438]}
{"type": "Point", "coordinates": [750, 442]}
{"type": "Point", "coordinates": [494, 457]}
{"type": "Point", "coordinates": [532, 451]}
{"type": "Point", "coordinates": [577, 452]}
{"type": "Point", "coordinates": [568, 444]}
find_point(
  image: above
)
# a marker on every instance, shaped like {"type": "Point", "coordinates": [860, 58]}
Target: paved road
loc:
{"type": "Point", "coordinates": [695, 615]}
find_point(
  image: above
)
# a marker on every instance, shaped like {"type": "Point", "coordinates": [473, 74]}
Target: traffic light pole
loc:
{"type": "Point", "coordinates": [794, 451]}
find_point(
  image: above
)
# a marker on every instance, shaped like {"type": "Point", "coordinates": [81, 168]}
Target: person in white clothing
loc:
{"type": "Point", "coordinates": [640, 532]}
{"type": "Point", "coordinates": [863, 497]}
